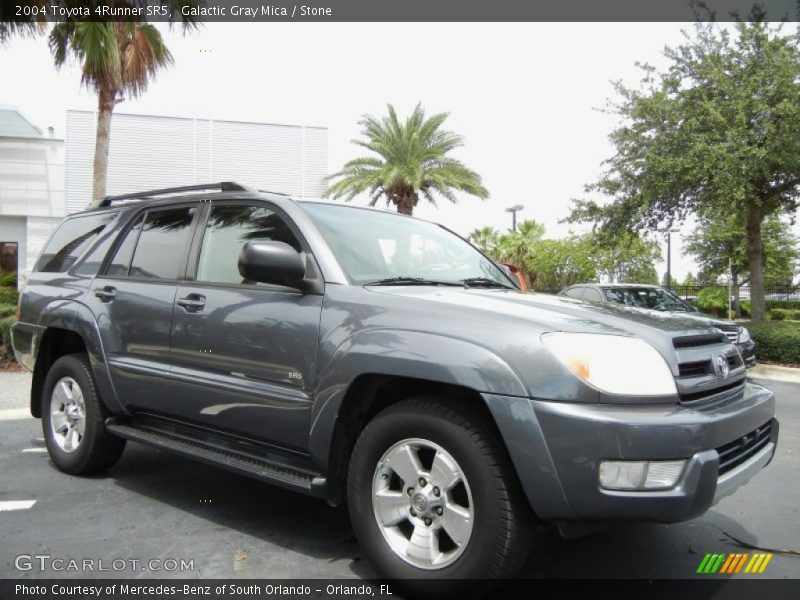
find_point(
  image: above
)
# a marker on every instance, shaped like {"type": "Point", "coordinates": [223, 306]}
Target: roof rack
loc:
{"type": "Point", "coordinates": [222, 186]}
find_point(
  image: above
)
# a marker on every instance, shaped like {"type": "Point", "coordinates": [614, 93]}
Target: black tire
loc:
{"type": "Point", "coordinates": [97, 449]}
{"type": "Point", "coordinates": [498, 544]}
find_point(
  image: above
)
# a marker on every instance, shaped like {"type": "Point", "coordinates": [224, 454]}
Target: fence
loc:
{"type": "Point", "coordinates": [778, 293]}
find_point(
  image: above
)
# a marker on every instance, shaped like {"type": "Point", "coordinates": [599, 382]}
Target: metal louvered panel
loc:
{"type": "Point", "coordinates": [149, 152]}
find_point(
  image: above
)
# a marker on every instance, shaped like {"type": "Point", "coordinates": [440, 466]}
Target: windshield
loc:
{"type": "Point", "coordinates": [652, 298]}
{"type": "Point", "coordinates": [374, 246]}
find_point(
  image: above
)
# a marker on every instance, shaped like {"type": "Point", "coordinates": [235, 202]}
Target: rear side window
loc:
{"type": "Point", "coordinates": [122, 258]}
{"type": "Point", "coordinates": [576, 292]}
{"type": "Point", "coordinates": [592, 295]}
{"type": "Point", "coordinates": [70, 241]}
{"type": "Point", "coordinates": [162, 245]}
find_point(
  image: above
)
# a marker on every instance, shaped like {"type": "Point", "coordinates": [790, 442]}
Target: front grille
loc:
{"type": "Point", "coordinates": [734, 453]}
{"type": "Point", "coordinates": [693, 341]}
{"type": "Point", "coordinates": [733, 336]}
{"type": "Point", "coordinates": [697, 368]}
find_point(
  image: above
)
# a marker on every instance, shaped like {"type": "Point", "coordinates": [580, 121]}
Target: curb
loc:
{"type": "Point", "coordinates": [774, 373]}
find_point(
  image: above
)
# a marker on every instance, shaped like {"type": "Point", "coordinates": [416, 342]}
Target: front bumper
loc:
{"type": "Point", "coordinates": [558, 464]}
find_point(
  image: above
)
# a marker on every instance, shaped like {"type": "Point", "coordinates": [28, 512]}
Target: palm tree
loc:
{"type": "Point", "coordinates": [118, 60]}
{"type": "Point", "coordinates": [408, 159]}
{"type": "Point", "coordinates": [486, 239]}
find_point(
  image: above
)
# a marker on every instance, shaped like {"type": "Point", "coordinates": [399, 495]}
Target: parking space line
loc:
{"type": "Point", "coordinates": [14, 414]}
{"type": "Point", "coordinates": [16, 505]}
{"type": "Point", "coordinates": [42, 450]}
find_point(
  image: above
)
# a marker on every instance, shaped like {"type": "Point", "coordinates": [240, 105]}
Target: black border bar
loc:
{"type": "Point", "coordinates": [407, 11]}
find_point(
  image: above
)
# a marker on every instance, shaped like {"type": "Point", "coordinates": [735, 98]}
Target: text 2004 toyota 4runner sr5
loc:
{"type": "Point", "coordinates": [371, 358]}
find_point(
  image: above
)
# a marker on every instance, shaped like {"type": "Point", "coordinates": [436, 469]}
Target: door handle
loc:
{"type": "Point", "coordinates": [192, 302]}
{"type": "Point", "coordinates": [106, 294]}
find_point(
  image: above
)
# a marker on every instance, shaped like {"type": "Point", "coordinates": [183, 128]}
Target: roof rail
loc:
{"type": "Point", "coordinates": [222, 186]}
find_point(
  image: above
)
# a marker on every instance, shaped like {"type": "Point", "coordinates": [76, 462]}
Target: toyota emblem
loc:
{"type": "Point", "coordinates": [722, 366]}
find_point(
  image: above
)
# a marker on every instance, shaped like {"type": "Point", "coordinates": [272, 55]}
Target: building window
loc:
{"type": "Point", "coordinates": [8, 263]}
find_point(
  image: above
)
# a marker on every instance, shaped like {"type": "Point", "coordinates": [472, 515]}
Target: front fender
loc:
{"type": "Point", "coordinates": [402, 353]}
{"type": "Point", "coordinates": [75, 316]}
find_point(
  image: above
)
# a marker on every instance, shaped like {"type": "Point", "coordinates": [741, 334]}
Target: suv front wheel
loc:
{"type": "Point", "coordinates": [432, 495]}
{"type": "Point", "coordinates": [73, 419]}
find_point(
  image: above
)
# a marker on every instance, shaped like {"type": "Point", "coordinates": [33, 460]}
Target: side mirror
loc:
{"type": "Point", "coordinates": [272, 262]}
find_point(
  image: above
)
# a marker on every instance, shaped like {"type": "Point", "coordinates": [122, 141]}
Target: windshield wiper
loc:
{"type": "Point", "coordinates": [412, 281]}
{"type": "Point", "coordinates": [484, 282]}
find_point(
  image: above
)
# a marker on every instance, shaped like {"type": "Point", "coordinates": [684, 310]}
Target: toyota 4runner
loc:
{"type": "Point", "coordinates": [375, 359]}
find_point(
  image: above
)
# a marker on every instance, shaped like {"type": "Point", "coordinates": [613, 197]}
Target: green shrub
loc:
{"type": "Point", "coordinates": [8, 295]}
{"type": "Point", "coordinates": [796, 315]}
{"type": "Point", "coordinates": [713, 300]}
{"type": "Point", "coordinates": [776, 314]}
{"type": "Point", "coordinates": [785, 304]}
{"type": "Point", "coordinates": [6, 310]}
{"type": "Point", "coordinates": [5, 335]}
{"type": "Point", "coordinates": [788, 314]}
{"type": "Point", "coordinates": [777, 341]}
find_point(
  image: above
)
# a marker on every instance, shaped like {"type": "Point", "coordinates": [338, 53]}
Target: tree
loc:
{"type": "Point", "coordinates": [716, 241]}
{"type": "Point", "coordinates": [486, 239]}
{"type": "Point", "coordinates": [118, 60]}
{"type": "Point", "coordinates": [516, 247]}
{"type": "Point", "coordinates": [719, 246]}
{"type": "Point", "coordinates": [625, 258]}
{"type": "Point", "coordinates": [555, 264]}
{"type": "Point", "coordinates": [408, 159]}
{"type": "Point", "coordinates": [716, 132]}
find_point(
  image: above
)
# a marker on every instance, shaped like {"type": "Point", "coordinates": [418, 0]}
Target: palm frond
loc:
{"type": "Point", "coordinates": [143, 54]}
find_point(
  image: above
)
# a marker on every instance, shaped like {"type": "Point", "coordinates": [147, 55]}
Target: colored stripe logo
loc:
{"type": "Point", "coordinates": [734, 563]}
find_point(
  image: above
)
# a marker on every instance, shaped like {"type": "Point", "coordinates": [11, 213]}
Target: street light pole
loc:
{"type": "Point", "coordinates": [669, 233]}
{"type": "Point", "coordinates": [513, 210]}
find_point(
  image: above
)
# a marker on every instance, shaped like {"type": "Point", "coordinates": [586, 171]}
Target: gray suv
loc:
{"type": "Point", "coordinates": [373, 359]}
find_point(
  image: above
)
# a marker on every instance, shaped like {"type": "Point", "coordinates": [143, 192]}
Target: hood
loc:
{"type": "Point", "coordinates": [709, 320]}
{"type": "Point", "coordinates": [558, 313]}
{"type": "Point", "coordinates": [509, 323]}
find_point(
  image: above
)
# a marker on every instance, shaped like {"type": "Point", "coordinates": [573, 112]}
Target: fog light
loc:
{"type": "Point", "coordinates": [639, 475]}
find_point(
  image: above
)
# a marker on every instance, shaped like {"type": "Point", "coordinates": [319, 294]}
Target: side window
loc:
{"type": "Point", "coordinates": [70, 241]}
{"type": "Point", "coordinates": [228, 229]}
{"type": "Point", "coordinates": [122, 259]}
{"type": "Point", "coordinates": [162, 244]}
{"type": "Point", "coordinates": [576, 292]}
{"type": "Point", "coordinates": [592, 295]}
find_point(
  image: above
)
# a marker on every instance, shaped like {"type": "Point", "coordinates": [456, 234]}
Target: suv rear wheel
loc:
{"type": "Point", "coordinates": [432, 495]}
{"type": "Point", "coordinates": [73, 419]}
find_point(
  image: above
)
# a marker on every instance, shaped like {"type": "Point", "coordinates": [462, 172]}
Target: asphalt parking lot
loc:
{"type": "Point", "coordinates": [155, 506]}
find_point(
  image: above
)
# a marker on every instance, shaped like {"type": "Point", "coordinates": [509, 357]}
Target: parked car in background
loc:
{"type": "Point", "coordinates": [653, 297]}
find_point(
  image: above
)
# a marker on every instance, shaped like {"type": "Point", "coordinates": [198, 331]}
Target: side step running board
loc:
{"type": "Point", "coordinates": [250, 466]}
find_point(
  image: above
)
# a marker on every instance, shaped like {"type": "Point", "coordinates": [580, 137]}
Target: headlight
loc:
{"type": "Point", "coordinates": [744, 335]}
{"type": "Point", "coordinates": [613, 364]}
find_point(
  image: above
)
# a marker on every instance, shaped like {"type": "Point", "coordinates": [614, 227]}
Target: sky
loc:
{"type": "Point", "coordinates": [525, 96]}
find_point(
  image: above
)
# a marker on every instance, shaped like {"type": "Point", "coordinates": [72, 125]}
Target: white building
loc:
{"type": "Point", "coordinates": [31, 189]}
{"type": "Point", "coordinates": [150, 152]}
{"type": "Point", "coordinates": [42, 178]}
